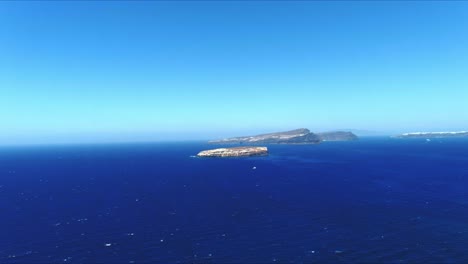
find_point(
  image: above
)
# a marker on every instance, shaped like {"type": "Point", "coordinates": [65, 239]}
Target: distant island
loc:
{"type": "Point", "coordinates": [234, 152]}
{"type": "Point", "coordinates": [337, 136]}
{"type": "Point", "coordinates": [297, 136]}
{"type": "Point", "coordinates": [433, 134]}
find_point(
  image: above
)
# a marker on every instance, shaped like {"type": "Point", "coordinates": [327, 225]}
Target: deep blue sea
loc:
{"type": "Point", "coordinates": [372, 200]}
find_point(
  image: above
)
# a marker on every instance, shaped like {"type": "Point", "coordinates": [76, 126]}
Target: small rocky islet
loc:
{"type": "Point", "coordinates": [234, 152]}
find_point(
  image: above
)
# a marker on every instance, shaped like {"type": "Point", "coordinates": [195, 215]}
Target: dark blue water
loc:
{"type": "Point", "coordinates": [374, 200]}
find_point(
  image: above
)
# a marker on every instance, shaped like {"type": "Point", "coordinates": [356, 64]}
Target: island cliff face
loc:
{"type": "Point", "coordinates": [337, 136]}
{"type": "Point", "coordinates": [433, 134]}
{"type": "Point", "coordinates": [234, 152]}
{"type": "Point", "coordinates": [297, 136]}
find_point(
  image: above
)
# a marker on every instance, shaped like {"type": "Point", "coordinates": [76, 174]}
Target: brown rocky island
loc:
{"type": "Point", "coordinates": [234, 152]}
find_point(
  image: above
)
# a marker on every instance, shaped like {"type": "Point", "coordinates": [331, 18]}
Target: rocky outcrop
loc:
{"type": "Point", "coordinates": [297, 136]}
{"type": "Point", "coordinates": [234, 152]}
{"type": "Point", "coordinates": [337, 136]}
{"type": "Point", "coordinates": [433, 134]}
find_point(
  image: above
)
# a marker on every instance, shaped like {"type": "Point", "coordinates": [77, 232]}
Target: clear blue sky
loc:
{"type": "Point", "coordinates": [104, 71]}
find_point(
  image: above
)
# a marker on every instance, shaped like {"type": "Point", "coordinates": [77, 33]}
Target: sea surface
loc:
{"type": "Point", "coordinates": [373, 200]}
